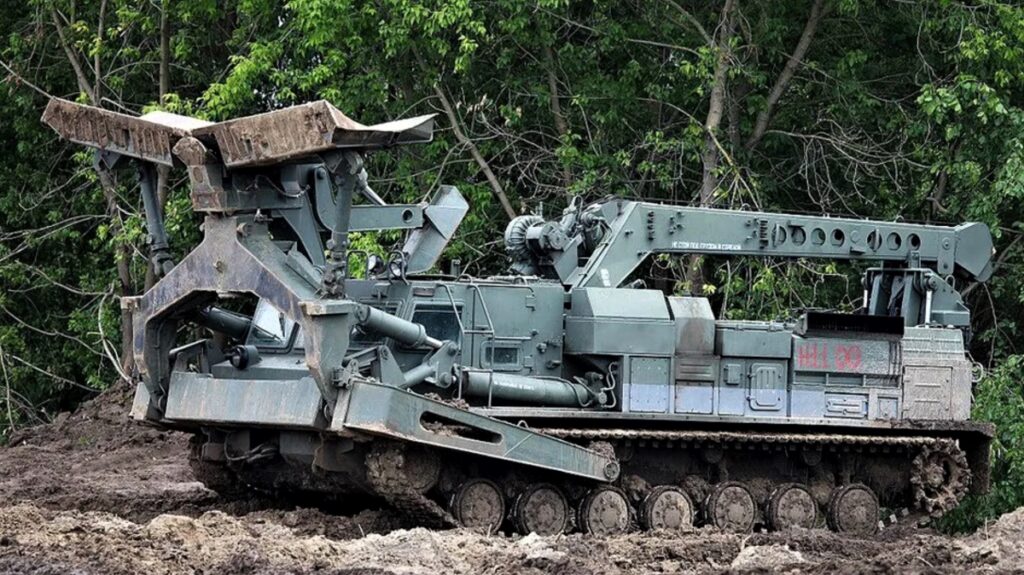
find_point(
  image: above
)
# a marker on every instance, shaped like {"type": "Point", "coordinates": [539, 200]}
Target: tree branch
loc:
{"type": "Point", "coordinates": [692, 21]}
{"type": "Point", "coordinates": [76, 65]}
{"type": "Point", "coordinates": [99, 42]}
{"type": "Point", "coordinates": [782, 82]}
{"type": "Point", "coordinates": [716, 104]}
{"type": "Point", "coordinates": [7, 388]}
{"type": "Point", "coordinates": [453, 119]}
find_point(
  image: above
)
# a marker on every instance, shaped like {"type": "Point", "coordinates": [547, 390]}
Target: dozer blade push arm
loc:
{"type": "Point", "coordinates": [387, 411]}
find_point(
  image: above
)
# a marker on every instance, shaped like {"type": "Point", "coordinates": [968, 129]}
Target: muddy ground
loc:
{"type": "Point", "coordinates": [94, 493]}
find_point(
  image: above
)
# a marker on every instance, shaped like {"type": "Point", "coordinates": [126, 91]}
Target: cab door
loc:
{"type": "Point", "coordinates": [767, 387]}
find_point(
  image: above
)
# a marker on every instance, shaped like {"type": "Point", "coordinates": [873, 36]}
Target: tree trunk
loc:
{"type": "Point", "coordinates": [556, 107]}
{"type": "Point", "coordinates": [162, 172]}
{"type": "Point", "coordinates": [716, 104]}
{"type": "Point", "coordinates": [123, 253]}
{"type": "Point", "coordinates": [694, 272]}
{"type": "Point", "coordinates": [782, 82]}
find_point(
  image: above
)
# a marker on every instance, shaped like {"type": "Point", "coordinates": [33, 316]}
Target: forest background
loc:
{"type": "Point", "coordinates": [889, 109]}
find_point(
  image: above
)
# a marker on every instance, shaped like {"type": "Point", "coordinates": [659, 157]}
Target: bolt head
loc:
{"type": "Point", "coordinates": [611, 470]}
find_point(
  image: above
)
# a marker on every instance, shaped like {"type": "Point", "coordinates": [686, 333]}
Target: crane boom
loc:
{"type": "Point", "coordinates": [610, 239]}
{"type": "Point", "coordinates": [600, 245]}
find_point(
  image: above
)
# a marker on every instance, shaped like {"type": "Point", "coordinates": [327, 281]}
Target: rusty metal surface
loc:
{"type": "Point", "coordinates": [196, 397]}
{"type": "Point", "coordinates": [151, 137]}
{"type": "Point", "coordinates": [272, 137]}
{"type": "Point", "coordinates": [305, 130]}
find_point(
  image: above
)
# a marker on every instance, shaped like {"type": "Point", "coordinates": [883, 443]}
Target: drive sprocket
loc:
{"type": "Point", "coordinates": [940, 477]}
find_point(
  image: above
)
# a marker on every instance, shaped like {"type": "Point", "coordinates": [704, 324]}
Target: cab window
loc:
{"type": "Point", "coordinates": [440, 321]}
{"type": "Point", "coordinates": [270, 327]}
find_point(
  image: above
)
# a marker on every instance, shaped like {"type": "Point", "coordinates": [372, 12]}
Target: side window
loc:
{"type": "Point", "coordinates": [502, 356]}
{"type": "Point", "coordinates": [440, 322]}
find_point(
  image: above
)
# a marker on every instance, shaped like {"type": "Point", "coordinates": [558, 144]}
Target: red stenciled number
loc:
{"type": "Point", "coordinates": [848, 357]}
{"type": "Point", "coordinates": [812, 356]}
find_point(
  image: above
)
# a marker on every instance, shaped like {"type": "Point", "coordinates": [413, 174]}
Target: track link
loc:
{"type": "Point", "coordinates": [741, 437]}
{"type": "Point", "coordinates": [940, 475]}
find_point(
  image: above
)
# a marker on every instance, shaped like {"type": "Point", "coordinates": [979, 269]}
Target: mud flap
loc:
{"type": "Point", "coordinates": [405, 416]}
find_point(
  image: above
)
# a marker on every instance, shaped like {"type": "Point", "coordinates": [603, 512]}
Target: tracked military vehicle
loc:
{"type": "Point", "coordinates": [560, 396]}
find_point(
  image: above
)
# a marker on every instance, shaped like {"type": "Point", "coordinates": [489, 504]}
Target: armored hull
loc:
{"type": "Point", "coordinates": [839, 407]}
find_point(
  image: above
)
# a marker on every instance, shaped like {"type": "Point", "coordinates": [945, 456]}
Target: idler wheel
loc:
{"type": "Point", "coordinates": [667, 507]}
{"type": "Point", "coordinates": [792, 505]}
{"type": "Point", "coordinates": [542, 509]}
{"type": "Point", "coordinates": [478, 504]}
{"type": "Point", "coordinates": [405, 466]}
{"type": "Point", "coordinates": [731, 507]}
{"type": "Point", "coordinates": [604, 511]}
{"type": "Point", "coordinates": [853, 509]}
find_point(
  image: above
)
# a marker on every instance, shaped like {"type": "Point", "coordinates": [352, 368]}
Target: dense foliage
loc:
{"type": "Point", "coordinates": [999, 399]}
{"type": "Point", "coordinates": [887, 109]}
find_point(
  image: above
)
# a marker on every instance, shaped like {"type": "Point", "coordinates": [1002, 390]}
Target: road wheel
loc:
{"type": "Point", "coordinates": [542, 509]}
{"type": "Point", "coordinates": [478, 504]}
{"type": "Point", "coordinates": [792, 505]}
{"type": "Point", "coordinates": [731, 507]}
{"type": "Point", "coordinates": [853, 509]}
{"type": "Point", "coordinates": [667, 507]}
{"type": "Point", "coordinates": [604, 511]}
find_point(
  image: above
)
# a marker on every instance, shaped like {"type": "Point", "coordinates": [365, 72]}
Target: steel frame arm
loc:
{"type": "Point", "coordinates": [635, 230]}
{"type": "Point", "coordinates": [236, 256]}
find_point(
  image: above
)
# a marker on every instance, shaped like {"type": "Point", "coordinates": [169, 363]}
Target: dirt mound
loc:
{"type": "Point", "coordinates": [100, 423]}
{"type": "Point", "coordinates": [35, 540]}
{"type": "Point", "coordinates": [98, 459]}
{"type": "Point", "coordinates": [94, 492]}
{"type": "Point", "coordinates": [997, 545]}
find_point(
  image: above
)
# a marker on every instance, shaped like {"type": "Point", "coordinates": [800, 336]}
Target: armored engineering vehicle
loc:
{"type": "Point", "coordinates": [561, 396]}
